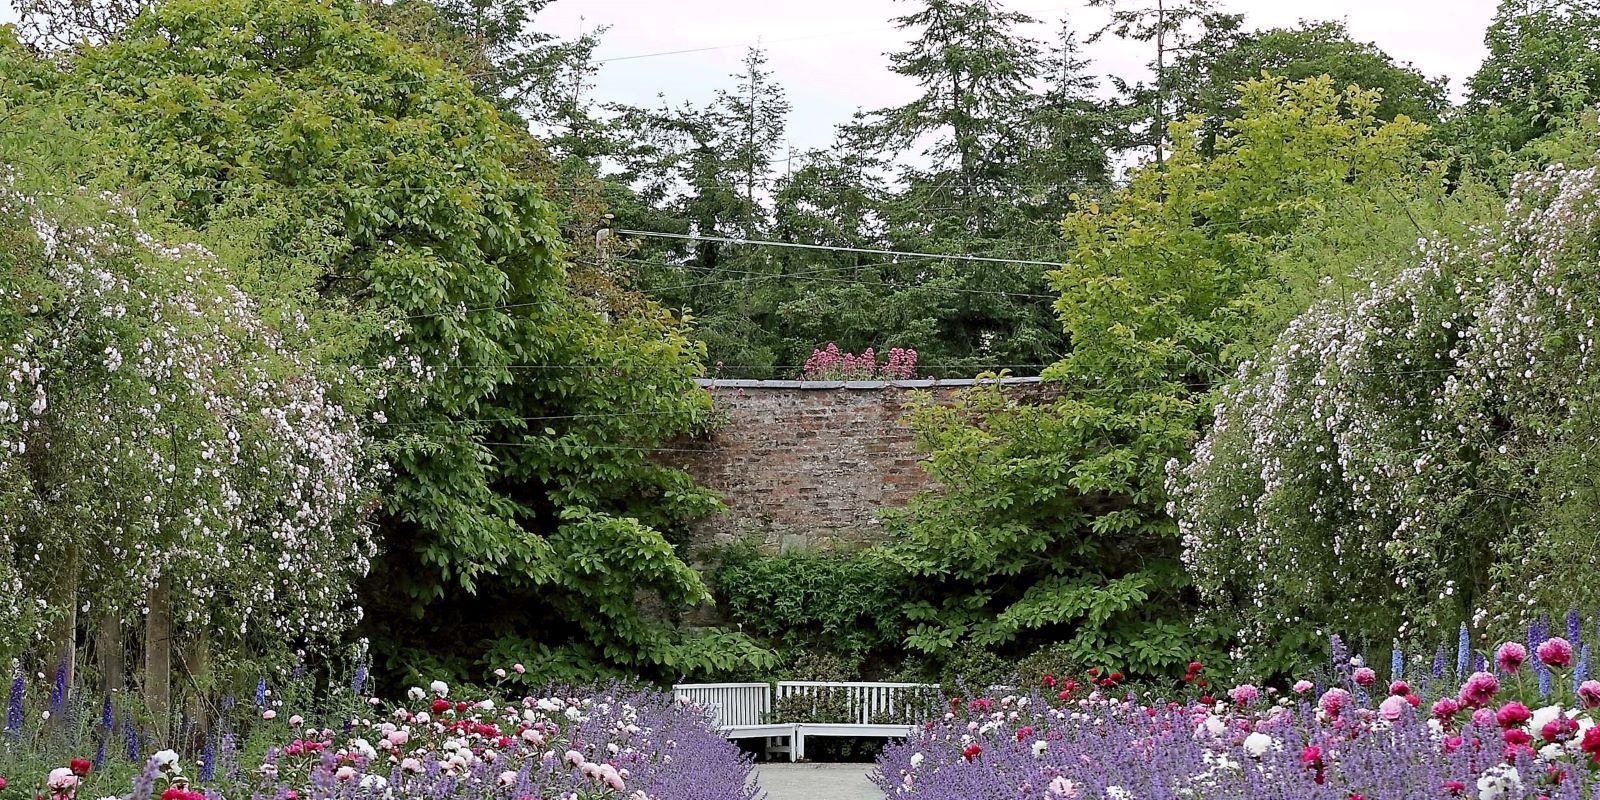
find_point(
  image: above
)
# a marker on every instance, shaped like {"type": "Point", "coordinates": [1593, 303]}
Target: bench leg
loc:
{"type": "Point", "coordinates": [797, 749]}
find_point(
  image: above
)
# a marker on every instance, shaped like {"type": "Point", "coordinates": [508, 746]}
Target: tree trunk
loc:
{"type": "Point", "coordinates": [108, 647]}
{"type": "Point", "coordinates": [195, 664]}
{"type": "Point", "coordinates": [158, 651]}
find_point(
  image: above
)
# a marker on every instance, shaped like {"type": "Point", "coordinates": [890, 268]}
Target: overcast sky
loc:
{"type": "Point", "coordinates": [829, 54]}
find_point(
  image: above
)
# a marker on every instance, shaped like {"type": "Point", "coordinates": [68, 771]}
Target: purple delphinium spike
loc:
{"type": "Point", "coordinates": [359, 681]}
{"type": "Point", "coordinates": [1479, 663]}
{"type": "Point", "coordinates": [100, 753]}
{"type": "Point", "coordinates": [208, 760]}
{"type": "Point", "coordinates": [132, 738]}
{"type": "Point", "coordinates": [107, 720]}
{"type": "Point", "coordinates": [299, 664]}
{"type": "Point", "coordinates": [1339, 655]}
{"type": "Point", "coordinates": [58, 690]}
{"type": "Point", "coordinates": [1574, 627]}
{"type": "Point", "coordinates": [14, 704]}
{"type": "Point", "coordinates": [261, 693]}
{"type": "Point", "coordinates": [1438, 663]}
{"type": "Point", "coordinates": [1463, 652]}
{"type": "Point", "coordinates": [144, 786]}
{"type": "Point", "coordinates": [229, 757]}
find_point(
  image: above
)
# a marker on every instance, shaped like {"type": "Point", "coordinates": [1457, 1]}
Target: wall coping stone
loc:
{"type": "Point", "coordinates": [931, 383]}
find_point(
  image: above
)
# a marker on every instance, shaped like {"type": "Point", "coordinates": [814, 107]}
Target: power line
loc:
{"type": "Point", "coordinates": [831, 248]}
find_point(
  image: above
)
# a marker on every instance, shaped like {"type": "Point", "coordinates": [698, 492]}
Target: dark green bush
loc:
{"type": "Point", "coordinates": [845, 605]}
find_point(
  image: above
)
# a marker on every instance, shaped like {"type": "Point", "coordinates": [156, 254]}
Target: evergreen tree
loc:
{"type": "Point", "coordinates": [1172, 27]}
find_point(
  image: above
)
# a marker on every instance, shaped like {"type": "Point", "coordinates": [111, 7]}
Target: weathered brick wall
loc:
{"type": "Point", "coordinates": [810, 463]}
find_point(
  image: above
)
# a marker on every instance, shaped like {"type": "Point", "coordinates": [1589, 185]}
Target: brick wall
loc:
{"type": "Point", "coordinates": [810, 463]}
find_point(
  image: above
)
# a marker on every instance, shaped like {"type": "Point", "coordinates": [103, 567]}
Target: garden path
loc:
{"type": "Point", "coordinates": [817, 782]}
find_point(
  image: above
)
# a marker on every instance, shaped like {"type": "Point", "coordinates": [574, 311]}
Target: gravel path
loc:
{"type": "Point", "coordinates": [817, 782]}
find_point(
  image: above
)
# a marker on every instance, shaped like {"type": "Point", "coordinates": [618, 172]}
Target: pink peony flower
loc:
{"type": "Point", "coordinates": [1483, 717]}
{"type": "Point", "coordinates": [1301, 687]}
{"type": "Point", "coordinates": [1334, 701]}
{"type": "Point", "coordinates": [1393, 707]}
{"type": "Point", "coordinates": [1479, 689]}
{"type": "Point", "coordinates": [1589, 693]}
{"type": "Point", "coordinates": [1244, 694]}
{"type": "Point", "coordinates": [1400, 688]}
{"type": "Point", "coordinates": [1512, 714]}
{"type": "Point", "coordinates": [1556, 652]}
{"type": "Point", "coordinates": [269, 714]}
{"type": "Point", "coordinates": [1445, 708]}
{"type": "Point", "coordinates": [1510, 656]}
{"type": "Point", "coordinates": [1364, 676]}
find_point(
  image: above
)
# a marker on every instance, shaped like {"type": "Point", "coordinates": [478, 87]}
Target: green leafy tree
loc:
{"type": "Point", "coordinates": [1071, 540]}
{"type": "Point", "coordinates": [1227, 56]}
{"type": "Point", "coordinates": [511, 407]}
{"type": "Point", "coordinates": [1542, 72]}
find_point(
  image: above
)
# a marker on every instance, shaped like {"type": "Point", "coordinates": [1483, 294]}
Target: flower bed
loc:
{"type": "Point", "coordinates": [636, 745]}
{"type": "Point", "coordinates": [1358, 740]}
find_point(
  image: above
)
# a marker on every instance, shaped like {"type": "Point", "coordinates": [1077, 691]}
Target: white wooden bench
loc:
{"type": "Point", "coordinates": [864, 703]}
{"type": "Point", "coordinates": [740, 711]}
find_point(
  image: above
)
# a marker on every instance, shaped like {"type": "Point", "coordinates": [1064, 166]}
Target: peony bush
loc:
{"type": "Point", "coordinates": [1523, 726]}
{"type": "Point", "coordinates": [618, 743]}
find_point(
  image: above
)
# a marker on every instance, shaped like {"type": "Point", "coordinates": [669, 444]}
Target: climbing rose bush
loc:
{"type": "Point", "coordinates": [1501, 734]}
{"type": "Point", "coordinates": [1427, 449]}
{"type": "Point", "coordinates": [154, 425]}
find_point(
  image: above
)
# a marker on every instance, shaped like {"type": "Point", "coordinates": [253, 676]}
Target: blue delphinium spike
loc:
{"type": "Point", "coordinates": [1574, 628]}
{"type": "Point", "coordinates": [1397, 662]}
{"type": "Point", "coordinates": [261, 693]}
{"type": "Point", "coordinates": [1479, 663]}
{"type": "Point", "coordinates": [1463, 653]}
{"type": "Point", "coordinates": [1438, 662]}
{"type": "Point", "coordinates": [1580, 671]}
{"type": "Point", "coordinates": [107, 721]}
{"type": "Point", "coordinates": [132, 738]}
{"type": "Point", "coordinates": [359, 681]}
{"type": "Point", "coordinates": [100, 753]}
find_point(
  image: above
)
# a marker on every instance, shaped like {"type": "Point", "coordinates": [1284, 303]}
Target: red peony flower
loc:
{"type": "Point", "coordinates": [1591, 744]}
{"type": "Point", "coordinates": [79, 766]}
{"type": "Point", "coordinates": [440, 706]}
{"type": "Point", "coordinates": [971, 752]}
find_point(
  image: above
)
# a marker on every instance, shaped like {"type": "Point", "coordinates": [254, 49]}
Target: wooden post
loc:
{"type": "Point", "coordinates": [158, 651]}
{"type": "Point", "coordinates": [108, 649]}
{"type": "Point", "coordinates": [65, 634]}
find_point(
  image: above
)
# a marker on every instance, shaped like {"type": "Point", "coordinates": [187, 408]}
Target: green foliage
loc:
{"type": "Point", "coordinates": [369, 182]}
{"type": "Point", "coordinates": [1542, 72]}
{"type": "Point", "coordinates": [1051, 525]}
{"type": "Point", "coordinates": [1227, 56]}
{"type": "Point", "coordinates": [834, 605]}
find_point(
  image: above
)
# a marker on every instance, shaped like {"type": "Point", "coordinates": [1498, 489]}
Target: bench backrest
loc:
{"type": "Point", "coordinates": [864, 701]}
{"type": "Point", "coordinates": [730, 704]}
